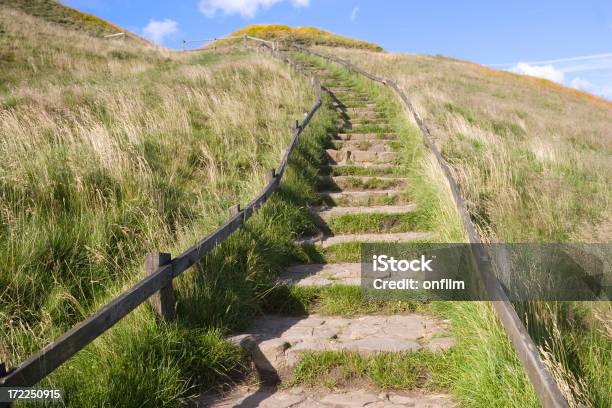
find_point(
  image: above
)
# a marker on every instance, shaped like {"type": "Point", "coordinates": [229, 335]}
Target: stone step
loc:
{"type": "Point", "coordinates": [359, 198]}
{"type": "Point", "coordinates": [360, 110]}
{"type": "Point", "coordinates": [363, 120]}
{"type": "Point", "coordinates": [341, 89]}
{"type": "Point", "coordinates": [360, 183]}
{"type": "Point", "coordinates": [346, 101]}
{"type": "Point", "coordinates": [351, 96]}
{"type": "Point", "coordinates": [326, 241]}
{"type": "Point", "coordinates": [371, 170]}
{"type": "Point", "coordinates": [362, 198]}
{"type": "Point", "coordinates": [367, 136]}
{"type": "Point", "coordinates": [377, 124]}
{"type": "Point", "coordinates": [326, 212]}
{"type": "Point", "coordinates": [322, 274]}
{"type": "Point", "coordinates": [371, 145]}
{"type": "Point", "coordinates": [344, 104]}
{"type": "Point", "coordinates": [359, 156]}
{"type": "Point", "coordinates": [298, 397]}
{"type": "Point", "coordinates": [280, 341]}
{"type": "Point", "coordinates": [380, 167]}
{"type": "Point", "coordinates": [346, 90]}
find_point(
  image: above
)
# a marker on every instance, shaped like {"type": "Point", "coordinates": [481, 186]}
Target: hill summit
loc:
{"type": "Point", "coordinates": [304, 35]}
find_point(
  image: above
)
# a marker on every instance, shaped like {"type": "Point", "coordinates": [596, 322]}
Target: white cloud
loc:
{"type": "Point", "coordinates": [582, 84]}
{"type": "Point", "coordinates": [590, 73]}
{"type": "Point", "coordinates": [156, 31]}
{"type": "Point", "coordinates": [246, 8]}
{"type": "Point", "coordinates": [354, 13]}
{"type": "Point", "coordinates": [543, 71]}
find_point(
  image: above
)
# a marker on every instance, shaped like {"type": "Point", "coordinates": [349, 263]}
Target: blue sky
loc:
{"type": "Point", "coordinates": [566, 41]}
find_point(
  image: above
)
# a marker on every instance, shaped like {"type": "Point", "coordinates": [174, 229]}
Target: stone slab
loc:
{"type": "Point", "coordinates": [299, 397]}
{"type": "Point", "coordinates": [327, 241]}
{"type": "Point", "coordinates": [327, 213]}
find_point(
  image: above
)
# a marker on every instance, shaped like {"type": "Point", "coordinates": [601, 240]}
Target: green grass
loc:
{"type": "Point", "coordinates": [378, 223]}
{"type": "Point", "coordinates": [220, 295]}
{"type": "Point", "coordinates": [482, 370]}
{"type": "Point", "coordinates": [110, 159]}
{"type": "Point", "coordinates": [352, 170]}
{"type": "Point", "coordinates": [333, 369]}
{"type": "Point", "coordinates": [345, 252]}
{"type": "Point", "coordinates": [332, 300]}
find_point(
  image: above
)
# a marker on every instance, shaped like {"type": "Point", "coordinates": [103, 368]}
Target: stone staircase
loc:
{"type": "Point", "coordinates": [363, 144]}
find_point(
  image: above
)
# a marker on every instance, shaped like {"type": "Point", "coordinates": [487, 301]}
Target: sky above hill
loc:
{"type": "Point", "coordinates": [566, 41]}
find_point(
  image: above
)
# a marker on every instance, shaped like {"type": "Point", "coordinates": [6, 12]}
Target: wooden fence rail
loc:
{"type": "Point", "coordinates": [544, 384]}
{"type": "Point", "coordinates": [161, 272]}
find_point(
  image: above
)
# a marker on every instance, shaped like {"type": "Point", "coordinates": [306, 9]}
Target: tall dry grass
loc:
{"type": "Point", "coordinates": [533, 160]}
{"type": "Point", "coordinates": [111, 150]}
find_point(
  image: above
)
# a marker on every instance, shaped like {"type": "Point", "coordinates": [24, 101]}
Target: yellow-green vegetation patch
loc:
{"type": "Point", "coordinates": [57, 13]}
{"type": "Point", "coordinates": [304, 35]}
{"type": "Point", "coordinates": [397, 371]}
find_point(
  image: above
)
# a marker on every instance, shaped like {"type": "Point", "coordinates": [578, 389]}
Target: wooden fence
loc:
{"type": "Point", "coordinates": [161, 268]}
{"type": "Point", "coordinates": [544, 384]}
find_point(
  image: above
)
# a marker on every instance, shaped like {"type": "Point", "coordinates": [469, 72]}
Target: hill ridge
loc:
{"type": "Point", "coordinates": [68, 17]}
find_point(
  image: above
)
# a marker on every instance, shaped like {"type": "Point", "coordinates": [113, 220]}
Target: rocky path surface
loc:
{"type": "Point", "coordinates": [298, 397]}
{"type": "Point", "coordinates": [363, 145]}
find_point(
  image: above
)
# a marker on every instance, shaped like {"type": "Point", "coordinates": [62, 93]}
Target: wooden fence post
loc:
{"type": "Point", "coordinates": [163, 300]}
{"type": "Point", "coordinates": [3, 373]}
{"type": "Point", "coordinates": [270, 175]}
{"type": "Point", "coordinates": [234, 209]}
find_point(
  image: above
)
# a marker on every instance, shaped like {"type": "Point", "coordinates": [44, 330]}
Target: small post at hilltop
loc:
{"type": "Point", "coordinates": [162, 301]}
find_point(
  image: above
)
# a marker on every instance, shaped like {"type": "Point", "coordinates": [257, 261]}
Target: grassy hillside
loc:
{"type": "Point", "coordinates": [533, 159]}
{"type": "Point", "coordinates": [55, 12]}
{"type": "Point", "coordinates": [532, 156]}
{"type": "Point", "coordinates": [304, 35]}
{"type": "Point", "coordinates": [111, 151]}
